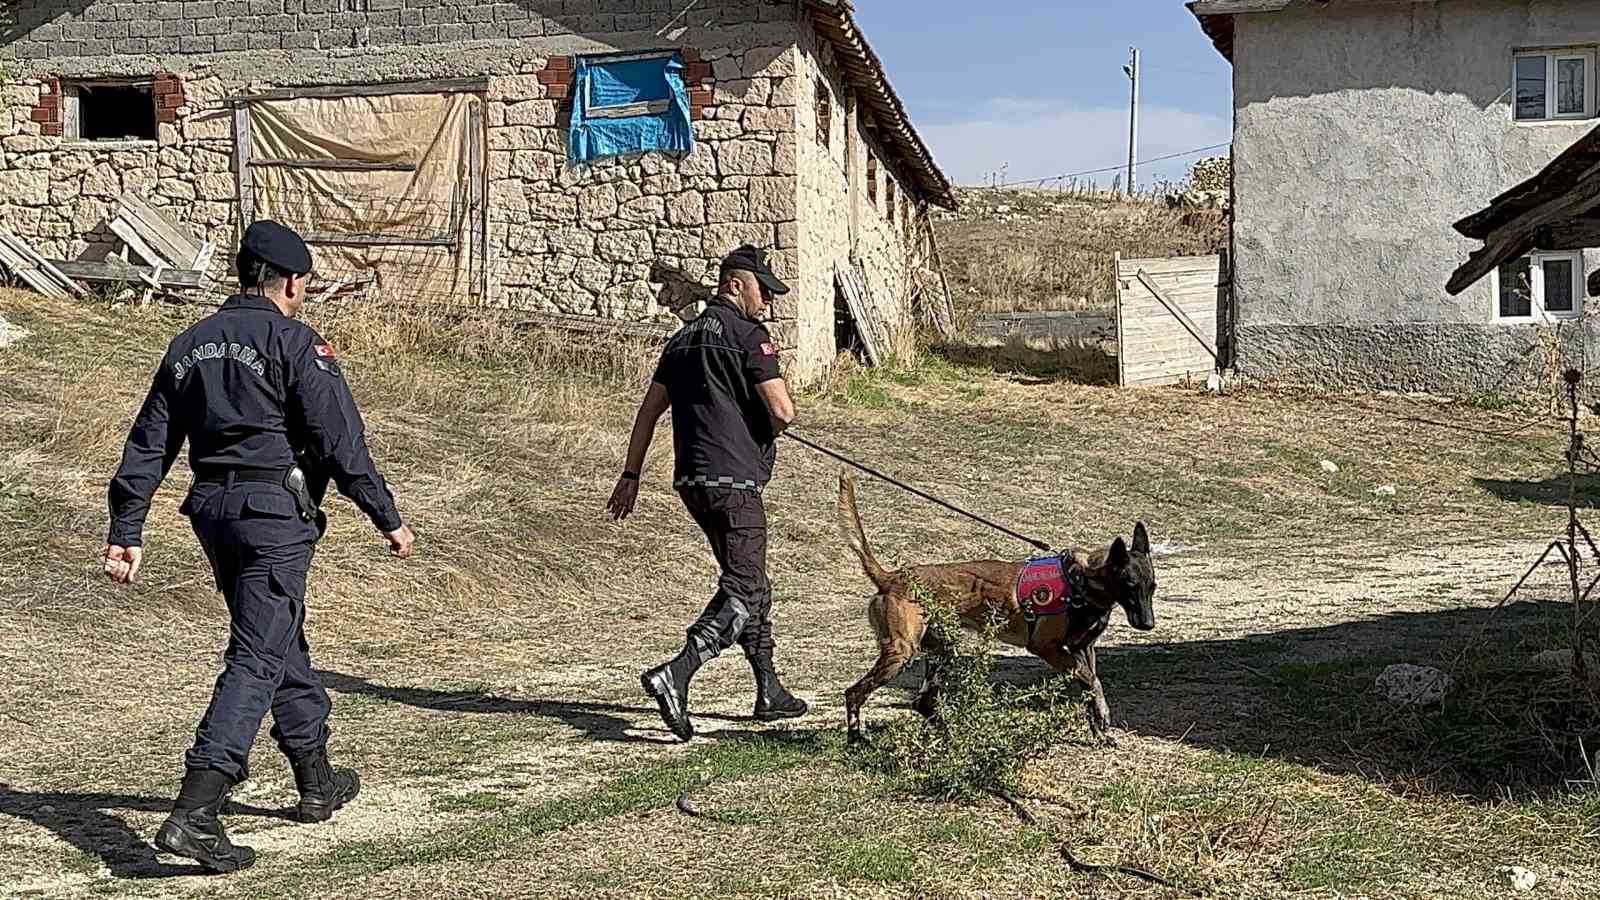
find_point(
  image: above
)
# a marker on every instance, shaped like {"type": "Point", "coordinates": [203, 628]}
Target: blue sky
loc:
{"type": "Point", "coordinates": [1036, 86]}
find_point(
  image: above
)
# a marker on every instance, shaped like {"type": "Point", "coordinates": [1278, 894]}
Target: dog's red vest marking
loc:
{"type": "Point", "coordinates": [1042, 588]}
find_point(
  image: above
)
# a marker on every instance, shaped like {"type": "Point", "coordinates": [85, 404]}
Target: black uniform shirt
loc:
{"type": "Point", "coordinates": [721, 430]}
{"type": "Point", "coordinates": [249, 388]}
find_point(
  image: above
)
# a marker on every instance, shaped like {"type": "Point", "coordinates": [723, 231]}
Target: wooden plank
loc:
{"type": "Point", "coordinates": [945, 313]}
{"type": "Point", "coordinates": [1200, 284]}
{"type": "Point", "coordinates": [1515, 238]}
{"type": "Point", "coordinates": [109, 272]}
{"type": "Point", "coordinates": [350, 165]}
{"type": "Point", "coordinates": [162, 225]}
{"type": "Point", "coordinates": [434, 86]}
{"type": "Point", "coordinates": [1122, 349]}
{"type": "Point", "coordinates": [33, 269]}
{"type": "Point", "coordinates": [1172, 330]}
{"type": "Point", "coordinates": [1196, 307]}
{"type": "Point", "coordinates": [1179, 314]}
{"type": "Point", "coordinates": [1172, 265]}
{"type": "Point", "coordinates": [130, 236]}
{"type": "Point", "coordinates": [244, 182]}
{"type": "Point", "coordinates": [476, 207]}
{"type": "Point", "coordinates": [375, 240]}
{"type": "Point", "coordinates": [160, 232]}
{"type": "Point", "coordinates": [854, 298]}
{"type": "Point", "coordinates": [628, 110]}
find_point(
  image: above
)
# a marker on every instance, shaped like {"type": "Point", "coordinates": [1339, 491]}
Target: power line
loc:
{"type": "Point", "coordinates": [1116, 168]}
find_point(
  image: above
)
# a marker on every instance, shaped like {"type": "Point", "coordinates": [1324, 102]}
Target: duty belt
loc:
{"type": "Point", "coordinates": [292, 479]}
{"type": "Point", "coordinates": [255, 476]}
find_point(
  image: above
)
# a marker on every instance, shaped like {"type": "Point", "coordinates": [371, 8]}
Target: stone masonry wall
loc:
{"type": "Point", "coordinates": [825, 201]}
{"type": "Point", "coordinates": [561, 237]}
{"type": "Point", "coordinates": [840, 218]}
{"type": "Point", "coordinates": [582, 240]}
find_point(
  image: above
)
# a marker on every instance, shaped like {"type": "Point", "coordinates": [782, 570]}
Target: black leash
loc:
{"type": "Point", "coordinates": [1041, 545]}
{"type": "Point", "coordinates": [1065, 852]}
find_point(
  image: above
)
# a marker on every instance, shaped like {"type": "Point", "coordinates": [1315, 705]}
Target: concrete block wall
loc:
{"type": "Point", "coordinates": [56, 29]}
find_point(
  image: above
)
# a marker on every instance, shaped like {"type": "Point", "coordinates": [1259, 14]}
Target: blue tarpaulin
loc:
{"type": "Point", "coordinates": [602, 85]}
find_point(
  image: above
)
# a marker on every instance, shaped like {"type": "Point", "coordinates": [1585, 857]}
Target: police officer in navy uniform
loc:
{"type": "Point", "coordinates": [269, 419]}
{"type": "Point", "coordinates": [719, 376]}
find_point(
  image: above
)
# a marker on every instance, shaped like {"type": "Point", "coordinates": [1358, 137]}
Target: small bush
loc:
{"type": "Point", "coordinates": [983, 733]}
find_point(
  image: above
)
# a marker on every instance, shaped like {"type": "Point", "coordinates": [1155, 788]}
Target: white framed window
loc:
{"type": "Point", "coordinates": [1551, 85]}
{"type": "Point", "coordinates": [1539, 287]}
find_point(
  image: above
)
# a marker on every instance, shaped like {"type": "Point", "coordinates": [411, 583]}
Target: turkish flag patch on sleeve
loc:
{"type": "Point", "coordinates": [324, 351]}
{"type": "Point", "coordinates": [768, 350]}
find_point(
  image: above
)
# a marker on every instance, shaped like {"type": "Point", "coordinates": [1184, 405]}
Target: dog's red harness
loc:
{"type": "Point", "coordinates": [1048, 586]}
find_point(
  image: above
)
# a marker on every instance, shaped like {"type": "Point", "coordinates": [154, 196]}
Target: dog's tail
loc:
{"type": "Point", "coordinates": [856, 535]}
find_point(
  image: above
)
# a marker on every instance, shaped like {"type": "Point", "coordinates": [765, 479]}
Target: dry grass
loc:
{"type": "Point", "coordinates": [1038, 250]}
{"type": "Point", "coordinates": [487, 688]}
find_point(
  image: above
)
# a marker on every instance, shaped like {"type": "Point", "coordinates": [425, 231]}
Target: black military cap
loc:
{"type": "Point", "coordinates": [754, 260]}
{"type": "Point", "coordinates": [277, 245]}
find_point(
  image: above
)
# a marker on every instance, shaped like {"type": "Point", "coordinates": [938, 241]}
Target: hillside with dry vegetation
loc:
{"type": "Point", "coordinates": [1016, 249]}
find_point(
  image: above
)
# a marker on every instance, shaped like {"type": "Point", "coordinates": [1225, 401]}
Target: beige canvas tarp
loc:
{"type": "Point", "coordinates": [388, 184]}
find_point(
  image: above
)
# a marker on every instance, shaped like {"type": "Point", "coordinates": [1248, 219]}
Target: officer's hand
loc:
{"type": "Point", "coordinates": [400, 541]}
{"type": "Point", "coordinates": [122, 563]}
{"type": "Point", "coordinates": [623, 498]}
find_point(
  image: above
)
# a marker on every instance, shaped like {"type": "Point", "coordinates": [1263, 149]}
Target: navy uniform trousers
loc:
{"type": "Point", "coordinates": [260, 552]}
{"type": "Point", "coordinates": [735, 524]}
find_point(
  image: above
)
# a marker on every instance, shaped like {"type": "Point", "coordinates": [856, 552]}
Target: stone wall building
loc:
{"type": "Point", "coordinates": [433, 143]}
{"type": "Point", "coordinates": [1362, 130]}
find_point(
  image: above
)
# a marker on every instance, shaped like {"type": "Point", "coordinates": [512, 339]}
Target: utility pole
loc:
{"type": "Point", "coordinates": [1132, 71]}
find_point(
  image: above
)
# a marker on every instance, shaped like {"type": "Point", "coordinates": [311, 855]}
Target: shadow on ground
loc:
{"type": "Point", "coordinates": [613, 722]}
{"type": "Point", "coordinates": [1308, 696]}
{"type": "Point", "coordinates": [1079, 362]}
{"type": "Point", "coordinates": [1551, 491]}
{"type": "Point", "coordinates": [89, 822]}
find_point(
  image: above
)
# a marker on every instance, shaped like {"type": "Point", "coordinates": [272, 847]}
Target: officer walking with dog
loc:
{"type": "Point", "coordinates": [719, 376]}
{"type": "Point", "coordinates": [269, 419]}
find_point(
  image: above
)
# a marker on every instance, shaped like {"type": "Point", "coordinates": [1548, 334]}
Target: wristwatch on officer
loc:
{"type": "Point", "coordinates": [630, 475]}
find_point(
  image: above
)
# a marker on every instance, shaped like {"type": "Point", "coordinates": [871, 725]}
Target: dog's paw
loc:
{"type": "Point", "coordinates": [857, 740]}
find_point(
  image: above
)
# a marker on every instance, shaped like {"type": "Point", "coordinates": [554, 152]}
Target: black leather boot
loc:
{"type": "Point", "coordinates": [773, 700]}
{"type": "Point", "coordinates": [668, 683]}
{"type": "Point", "coordinates": [193, 829]}
{"type": "Point", "coordinates": [323, 788]}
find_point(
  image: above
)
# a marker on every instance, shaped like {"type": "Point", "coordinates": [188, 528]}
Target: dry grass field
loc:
{"type": "Point", "coordinates": [487, 688]}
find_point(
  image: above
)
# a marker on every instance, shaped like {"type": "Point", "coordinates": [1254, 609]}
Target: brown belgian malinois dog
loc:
{"type": "Point", "coordinates": [1120, 575]}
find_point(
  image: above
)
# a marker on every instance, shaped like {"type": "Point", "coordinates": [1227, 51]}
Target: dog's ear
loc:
{"type": "Point", "coordinates": [1141, 539]}
{"type": "Point", "coordinates": [1118, 557]}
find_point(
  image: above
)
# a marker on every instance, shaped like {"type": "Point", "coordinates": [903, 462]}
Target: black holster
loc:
{"type": "Point", "coordinates": [304, 498]}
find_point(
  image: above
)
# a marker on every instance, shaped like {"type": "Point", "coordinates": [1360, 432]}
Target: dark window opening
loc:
{"type": "Point", "coordinates": [824, 113]}
{"type": "Point", "coordinates": [116, 112]}
{"type": "Point", "coordinates": [846, 339]}
{"type": "Point", "coordinates": [1516, 289]}
{"type": "Point", "coordinates": [872, 176]}
{"type": "Point", "coordinates": [888, 195]}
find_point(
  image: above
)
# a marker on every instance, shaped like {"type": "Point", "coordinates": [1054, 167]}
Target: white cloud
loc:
{"type": "Point", "coordinates": [1034, 138]}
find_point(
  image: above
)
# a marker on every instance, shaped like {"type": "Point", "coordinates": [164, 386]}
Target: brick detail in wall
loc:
{"type": "Point", "coordinates": [168, 92]}
{"type": "Point", "coordinates": [558, 72]}
{"type": "Point", "coordinates": [48, 112]}
{"type": "Point", "coordinates": [557, 80]}
{"type": "Point", "coordinates": [702, 87]}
